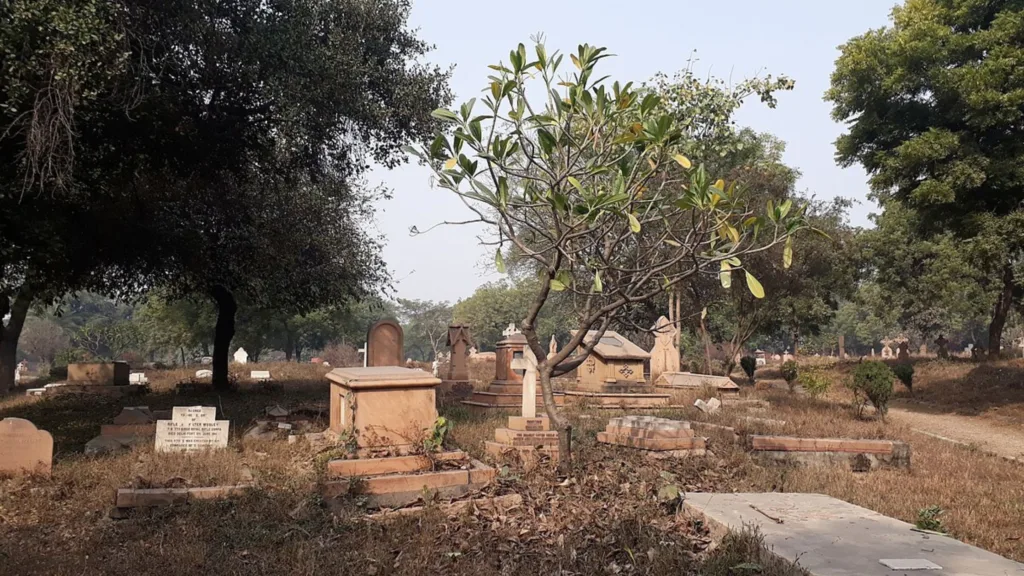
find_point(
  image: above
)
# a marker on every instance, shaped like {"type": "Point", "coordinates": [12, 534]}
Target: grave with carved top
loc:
{"type": "Point", "coordinates": [613, 375]}
{"type": "Point", "coordinates": [505, 391]}
{"type": "Point", "coordinates": [386, 418]}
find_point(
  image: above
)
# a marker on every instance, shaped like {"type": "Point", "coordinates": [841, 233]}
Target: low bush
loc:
{"type": "Point", "coordinates": [749, 365]}
{"type": "Point", "coordinates": [874, 380]}
{"type": "Point", "coordinates": [815, 383]}
{"type": "Point", "coordinates": [905, 372]}
{"type": "Point", "coordinates": [790, 372]}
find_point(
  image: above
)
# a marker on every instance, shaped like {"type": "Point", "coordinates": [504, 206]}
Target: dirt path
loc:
{"type": "Point", "coordinates": [967, 429]}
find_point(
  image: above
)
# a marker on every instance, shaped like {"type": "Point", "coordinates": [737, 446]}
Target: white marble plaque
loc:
{"type": "Point", "coordinates": [191, 428]}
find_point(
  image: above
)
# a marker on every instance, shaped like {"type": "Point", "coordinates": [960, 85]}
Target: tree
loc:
{"type": "Point", "coordinates": [180, 327]}
{"type": "Point", "coordinates": [43, 338]}
{"type": "Point", "coordinates": [257, 121]}
{"type": "Point", "coordinates": [494, 305]}
{"type": "Point", "coordinates": [933, 110]}
{"type": "Point", "coordinates": [426, 327]}
{"type": "Point", "coordinates": [587, 181]}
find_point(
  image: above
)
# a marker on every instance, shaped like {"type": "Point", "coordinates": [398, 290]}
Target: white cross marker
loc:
{"type": "Point", "coordinates": [363, 352]}
{"type": "Point", "coordinates": [511, 330]}
{"type": "Point", "coordinates": [528, 363]}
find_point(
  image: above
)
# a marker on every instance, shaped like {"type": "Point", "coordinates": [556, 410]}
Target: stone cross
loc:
{"type": "Point", "coordinates": [363, 352]}
{"type": "Point", "coordinates": [511, 330]}
{"type": "Point", "coordinates": [528, 363]}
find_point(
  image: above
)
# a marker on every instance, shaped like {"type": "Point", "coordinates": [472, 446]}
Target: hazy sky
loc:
{"type": "Point", "coordinates": [733, 39]}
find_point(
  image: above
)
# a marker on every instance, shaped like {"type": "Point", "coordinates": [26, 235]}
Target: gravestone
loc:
{"type": "Point", "coordinates": [383, 406]}
{"type": "Point", "coordinates": [943, 347]}
{"type": "Point", "coordinates": [886, 352]}
{"type": "Point", "coordinates": [760, 359]}
{"type": "Point", "coordinates": [385, 344]}
{"type": "Point", "coordinates": [24, 448]}
{"type": "Point", "coordinates": [552, 347]}
{"type": "Point", "coordinates": [260, 375]}
{"type": "Point", "coordinates": [459, 342]}
{"type": "Point", "coordinates": [191, 428]}
{"type": "Point", "coordinates": [922, 349]}
{"type": "Point", "coordinates": [241, 356]}
{"type": "Point", "coordinates": [842, 347]}
{"type": "Point", "coordinates": [138, 378]}
{"type": "Point", "coordinates": [665, 354]}
{"type": "Point", "coordinates": [204, 374]}
{"type": "Point", "coordinates": [528, 364]}
{"type": "Point", "coordinates": [904, 351]}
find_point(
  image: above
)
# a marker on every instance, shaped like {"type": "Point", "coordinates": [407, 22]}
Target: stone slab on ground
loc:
{"type": "Point", "coordinates": [682, 443]}
{"type": "Point", "coordinates": [830, 537]}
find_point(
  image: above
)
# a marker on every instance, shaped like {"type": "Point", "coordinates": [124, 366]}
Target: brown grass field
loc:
{"type": "Point", "coordinates": [603, 518]}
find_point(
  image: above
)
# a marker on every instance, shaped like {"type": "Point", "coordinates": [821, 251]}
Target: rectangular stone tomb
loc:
{"type": "Point", "coordinates": [190, 429]}
{"type": "Point", "coordinates": [859, 455]}
{"type": "Point", "coordinates": [404, 480]}
{"type": "Point", "coordinates": [690, 381]}
{"type": "Point", "coordinates": [101, 374]}
{"type": "Point", "coordinates": [830, 537]}
{"type": "Point", "coordinates": [260, 375]}
{"type": "Point", "coordinates": [650, 433]}
{"type": "Point", "coordinates": [383, 406]}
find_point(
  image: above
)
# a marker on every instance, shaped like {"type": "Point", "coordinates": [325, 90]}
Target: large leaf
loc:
{"type": "Point", "coordinates": [598, 286]}
{"type": "Point", "coordinates": [557, 285]}
{"type": "Point", "coordinates": [726, 275]}
{"type": "Point", "coordinates": [787, 253]}
{"type": "Point", "coordinates": [445, 114]}
{"type": "Point", "coordinates": [683, 161]}
{"type": "Point", "coordinates": [499, 261]}
{"type": "Point", "coordinates": [755, 287]}
{"type": "Point", "coordinates": [634, 224]}
{"type": "Point", "coordinates": [451, 163]}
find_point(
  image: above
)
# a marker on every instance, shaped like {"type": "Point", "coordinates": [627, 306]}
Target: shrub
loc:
{"type": "Point", "coordinates": [905, 372]}
{"type": "Point", "coordinates": [749, 365]}
{"type": "Point", "coordinates": [815, 383]}
{"type": "Point", "coordinates": [928, 519]}
{"type": "Point", "coordinates": [874, 380]}
{"type": "Point", "coordinates": [59, 372]}
{"type": "Point", "coordinates": [790, 372]}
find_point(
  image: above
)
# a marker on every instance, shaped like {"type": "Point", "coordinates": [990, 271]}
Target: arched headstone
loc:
{"type": "Point", "coordinates": [385, 344]}
{"type": "Point", "coordinates": [24, 449]}
{"type": "Point", "coordinates": [664, 355]}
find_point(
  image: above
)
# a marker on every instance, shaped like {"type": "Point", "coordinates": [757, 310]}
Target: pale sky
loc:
{"type": "Point", "coordinates": [734, 39]}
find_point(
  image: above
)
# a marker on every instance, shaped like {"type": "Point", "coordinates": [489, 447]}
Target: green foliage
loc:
{"type": "Point", "coordinates": [588, 178]}
{"type": "Point", "coordinates": [928, 519]}
{"type": "Point", "coordinates": [426, 327]}
{"type": "Point", "coordinates": [874, 380]}
{"type": "Point", "coordinates": [790, 372]}
{"type": "Point", "coordinates": [749, 365]}
{"type": "Point", "coordinates": [494, 305]}
{"type": "Point", "coordinates": [814, 382]}
{"type": "Point", "coordinates": [905, 372]}
{"type": "Point", "coordinates": [435, 440]}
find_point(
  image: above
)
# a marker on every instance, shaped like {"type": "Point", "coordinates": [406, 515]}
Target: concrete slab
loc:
{"type": "Point", "coordinates": [830, 537]}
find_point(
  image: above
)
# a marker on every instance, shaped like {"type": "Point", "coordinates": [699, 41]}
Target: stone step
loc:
{"type": "Point", "coordinates": [792, 444]}
{"type": "Point", "coordinates": [399, 464]}
{"type": "Point", "coordinates": [523, 438]}
{"type": "Point", "coordinates": [676, 432]}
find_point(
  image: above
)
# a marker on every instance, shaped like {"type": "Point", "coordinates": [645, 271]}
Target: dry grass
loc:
{"type": "Point", "coordinates": [603, 519]}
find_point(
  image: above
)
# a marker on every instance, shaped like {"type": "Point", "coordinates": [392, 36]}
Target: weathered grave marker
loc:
{"type": "Point", "coordinates": [665, 354]}
{"type": "Point", "coordinates": [385, 344]}
{"type": "Point", "coordinates": [24, 448]}
{"type": "Point", "coordinates": [241, 356]}
{"type": "Point", "coordinates": [191, 428]}
{"type": "Point", "coordinates": [528, 363]}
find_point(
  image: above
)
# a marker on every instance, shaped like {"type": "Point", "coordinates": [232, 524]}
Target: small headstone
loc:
{"type": "Point", "coordinates": [138, 378]}
{"type": "Point", "coordinates": [206, 360]}
{"type": "Point", "coordinates": [709, 407]}
{"type": "Point", "coordinates": [260, 375]}
{"type": "Point", "coordinates": [191, 428]}
{"type": "Point", "coordinates": [886, 352]}
{"type": "Point", "coordinates": [284, 426]}
{"type": "Point", "coordinates": [943, 347]}
{"type": "Point", "coordinates": [241, 356]}
{"type": "Point", "coordinates": [665, 353]}
{"type": "Point", "coordinates": [204, 374]}
{"type": "Point", "coordinates": [278, 411]}
{"type": "Point", "coordinates": [903, 354]}
{"type": "Point", "coordinates": [35, 391]}
{"type": "Point", "coordinates": [24, 448]}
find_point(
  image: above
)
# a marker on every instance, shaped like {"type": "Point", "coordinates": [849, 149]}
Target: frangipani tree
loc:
{"type": "Point", "coordinates": [584, 177]}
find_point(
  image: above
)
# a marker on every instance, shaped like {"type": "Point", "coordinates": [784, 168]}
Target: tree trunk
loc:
{"type": "Point", "coordinates": [183, 364]}
{"type": "Point", "coordinates": [298, 354]}
{"type": "Point", "coordinates": [558, 422]}
{"type": "Point", "coordinates": [10, 334]}
{"type": "Point", "coordinates": [842, 347]}
{"type": "Point", "coordinates": [999, 313]}
{"type": "Point", "coordinates": [796, 342]}
{"type": "Point", "coordinates": [223, 333]}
